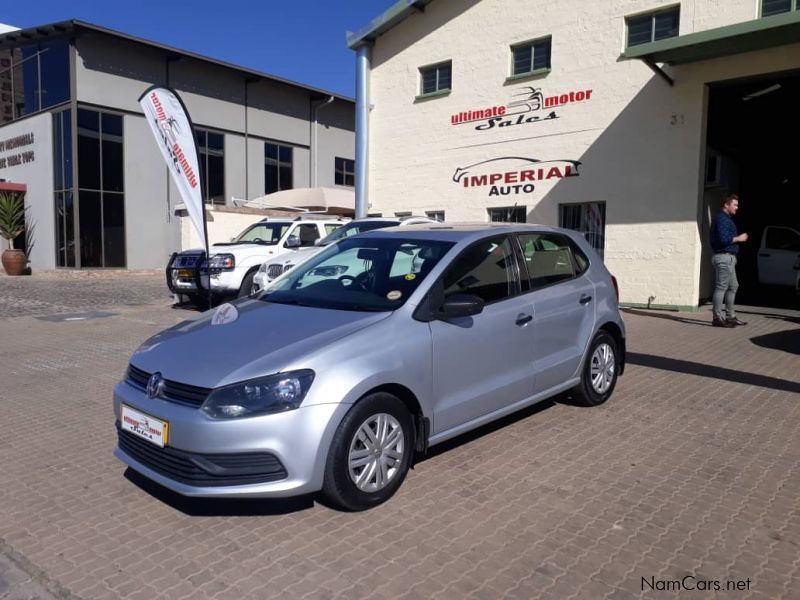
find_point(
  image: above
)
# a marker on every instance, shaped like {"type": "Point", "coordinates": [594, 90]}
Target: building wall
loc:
{"type": "Point", "coordinates": [113, 73]}
{"type": "Point", "coordinates": [35, 170]}
{"type": "Point", "coordinates": [640, 143]}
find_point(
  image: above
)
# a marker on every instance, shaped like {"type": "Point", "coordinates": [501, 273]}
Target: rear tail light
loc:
{"type": "Point", "coordinates": [616, 287]}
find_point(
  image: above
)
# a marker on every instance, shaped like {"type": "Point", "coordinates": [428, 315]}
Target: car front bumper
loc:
{"type": "Point", "coordinates": [297, 439]}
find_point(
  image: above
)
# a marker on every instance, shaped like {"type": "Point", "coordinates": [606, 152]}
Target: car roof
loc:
{"type": "Point", "coordinates": [296, 220]}
{"type": "Point", "coordinates": [456, 232]}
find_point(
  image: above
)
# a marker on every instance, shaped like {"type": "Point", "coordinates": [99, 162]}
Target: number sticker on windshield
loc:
{"type": "Point", "coordinates": [411, 277]}
{"type": "Point", "coordinates": [394, 295]}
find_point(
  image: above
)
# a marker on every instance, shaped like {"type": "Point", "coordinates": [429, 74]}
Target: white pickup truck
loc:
{"type": "Point", "coordinates": [233, 264]}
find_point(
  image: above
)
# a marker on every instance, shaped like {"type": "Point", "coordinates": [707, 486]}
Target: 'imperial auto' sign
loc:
{"type": "Point", "coordinates": [513, 174]}
{"type": "Point", "coordinates": [524, 108]}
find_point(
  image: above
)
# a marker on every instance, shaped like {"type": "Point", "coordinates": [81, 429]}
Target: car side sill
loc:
{"type": "Point", "coordinates": [501, 412]}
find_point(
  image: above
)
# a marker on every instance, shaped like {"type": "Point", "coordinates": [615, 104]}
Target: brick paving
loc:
{"type": "Point", "coordinates": [692, 468]}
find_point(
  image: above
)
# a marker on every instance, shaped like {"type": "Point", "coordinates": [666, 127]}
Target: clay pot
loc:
{"type": "Point", "coordinates": [14, 262]}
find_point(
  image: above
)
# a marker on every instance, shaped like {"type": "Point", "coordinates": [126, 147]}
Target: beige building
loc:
{"type": "Point", "coordinates": [625, 119]}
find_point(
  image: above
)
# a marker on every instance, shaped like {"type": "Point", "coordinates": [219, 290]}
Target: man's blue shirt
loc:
{"type": "Point", "coordinates": [723, 230]}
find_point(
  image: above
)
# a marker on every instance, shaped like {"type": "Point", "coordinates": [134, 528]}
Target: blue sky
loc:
{"type": "Point", "coordinates": [302, 40]}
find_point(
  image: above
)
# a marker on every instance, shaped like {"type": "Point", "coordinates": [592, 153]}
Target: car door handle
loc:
{"type": "Point", "coordinates": [764, 254]}
{"type": "Point", "coordinates": [585, 299]}
{"type": "Point", "coordinates": [523, 319]}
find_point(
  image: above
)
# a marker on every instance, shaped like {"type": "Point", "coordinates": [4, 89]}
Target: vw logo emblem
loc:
{"type": "Point", "coordinates": [155, 385]}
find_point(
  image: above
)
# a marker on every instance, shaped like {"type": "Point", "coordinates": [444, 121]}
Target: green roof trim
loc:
{"type": "Point", "coordinates": [396, 13]}
{"type": "Point", "coordinates": [759, 34]}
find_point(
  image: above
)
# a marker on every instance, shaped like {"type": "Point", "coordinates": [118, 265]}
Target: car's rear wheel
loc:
{"type": "Point", "coordinates": [370, 453]}
{"type": "Point", "coordinates": [600, 371]}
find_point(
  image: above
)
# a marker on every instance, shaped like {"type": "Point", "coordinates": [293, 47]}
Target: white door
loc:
{"type": "Point", "coordinates": [779, 250]}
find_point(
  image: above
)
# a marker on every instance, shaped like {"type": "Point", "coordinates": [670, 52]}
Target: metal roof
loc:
{"type": "Point", "coordinates": [759, 34]}
{"type": "Point", "coordinates": [73, 26]}
{"type": "Point", "coordinates": [398, 12]}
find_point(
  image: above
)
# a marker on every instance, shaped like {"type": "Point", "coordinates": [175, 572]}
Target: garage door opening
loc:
{"type": "Point", "coordinates": [753, 149]}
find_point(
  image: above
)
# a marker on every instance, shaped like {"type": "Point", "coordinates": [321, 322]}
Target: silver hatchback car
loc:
{"type": "Point", "coordinates": [362, 357]}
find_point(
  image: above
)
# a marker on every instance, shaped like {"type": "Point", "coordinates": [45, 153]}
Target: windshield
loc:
{"type": "Point", "coordinates": [262, 233]}
{"type": "Point", "coordinates": [354, 228]}
{"type": "Point", "coordinates": [368, 274]}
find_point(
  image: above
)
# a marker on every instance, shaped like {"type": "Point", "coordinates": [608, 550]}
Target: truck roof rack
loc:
{"type": "Point", "coordinates": [317, 216]}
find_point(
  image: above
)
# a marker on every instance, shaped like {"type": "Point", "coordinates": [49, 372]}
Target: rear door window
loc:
{"type": "Point", "coordinates": [548, 259]}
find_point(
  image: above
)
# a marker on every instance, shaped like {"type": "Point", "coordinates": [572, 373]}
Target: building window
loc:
{"type": "Point", "coordinates": [530, 57]}
{"type": "Point", "coordinates": [654, 26]}
{"type": "Point", "coordinates": [508, 214]}
{"type": "Point", "coordinates": [436, 215]}
{"type": "Point", "coordinates": [436, 78]}
{"type": "Point", "coordinates": [345, 172]}
{"type": "Point", "coordinates": [63, 189]}
{"type": "Point", "coordinates": [101, 199]}
{"type": "Point", "coordinates": [402, 214]}
{"type": "Point", "coordinates": [277, 168]}
{"type": "Point", "coordinates": [211, 154]}
{"type": "Point", "coordinates": [775, 7]}
{"type": "Point", "coordinates": [588, 218]}
{"type": "Point", "coordinates": [36, 76]}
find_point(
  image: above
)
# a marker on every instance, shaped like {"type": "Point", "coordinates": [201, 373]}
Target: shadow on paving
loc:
{"type": "Point", "coordinates": [471, 436]}
{"type": "Point", "coordinates": [220, 507]}
{"type": "Point", "coordinates": [703, 370]}
{"type": "Point", "coordinates": [665, 315]}
{"type": "Point", "coordinates": [786, 341]}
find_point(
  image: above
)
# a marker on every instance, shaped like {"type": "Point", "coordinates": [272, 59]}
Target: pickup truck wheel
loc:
{"type": "Point", "coordinates": [247, 285]}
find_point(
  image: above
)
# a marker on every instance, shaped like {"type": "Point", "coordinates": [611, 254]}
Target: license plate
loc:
{"type": "Point", "coordinates": [185, 273]}
{"type": "Point", "coordinates": [153, 430]}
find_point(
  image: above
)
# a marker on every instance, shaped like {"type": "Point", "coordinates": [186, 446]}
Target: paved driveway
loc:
{"type": "Point", "coordinates": [693, 468]}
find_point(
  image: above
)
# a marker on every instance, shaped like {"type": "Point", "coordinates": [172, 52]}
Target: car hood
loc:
{"type": "Point", "coordinates": [262, 340]}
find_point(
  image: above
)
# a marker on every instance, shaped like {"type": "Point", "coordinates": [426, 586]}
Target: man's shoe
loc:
{"type": "Point", "coordinates": [722, 323]}
{"type": "Point", "coordinates": [735, 322]}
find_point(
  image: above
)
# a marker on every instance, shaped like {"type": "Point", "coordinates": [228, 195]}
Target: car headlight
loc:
{"type": "Point", "coordinates": [222, 261]}
{"type": "Point", "coordinates": [261, 396]}
{"type": "Point", "coordinates": [262, 268]}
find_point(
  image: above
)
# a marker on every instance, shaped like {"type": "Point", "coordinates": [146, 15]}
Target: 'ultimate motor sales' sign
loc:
{"type": "Point", "coordinates": [526, 100]}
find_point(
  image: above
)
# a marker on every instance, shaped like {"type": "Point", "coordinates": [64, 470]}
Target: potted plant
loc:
{"type": "Point", "coordinates": [12, 223]}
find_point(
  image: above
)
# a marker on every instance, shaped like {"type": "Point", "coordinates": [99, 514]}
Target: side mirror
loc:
{"type": "Point", "coordinates": [460, 305]}
{"type": "Point", "coordinates": [292, 242]}
{"type": "Point", "coordinates": [317, 241]}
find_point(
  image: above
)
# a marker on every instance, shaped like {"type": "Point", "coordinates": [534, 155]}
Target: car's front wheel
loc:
{"type": "Point", "coordinates": [370, 453]}
{"type": "Point", "coordinates": [600, 371]}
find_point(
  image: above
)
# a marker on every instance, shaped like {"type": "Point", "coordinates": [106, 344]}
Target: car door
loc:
{"type": "Point", "coordinates": [776, 256]}
{"type": "Point", "coordinates": [482, 363]}
{"type": "Point", "coordinates": [564, 307]}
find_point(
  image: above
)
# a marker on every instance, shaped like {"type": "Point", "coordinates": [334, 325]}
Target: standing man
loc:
{"type": "Point", "coordinates": [725, 242]}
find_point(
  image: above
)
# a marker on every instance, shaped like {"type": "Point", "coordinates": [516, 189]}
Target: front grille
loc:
{"type": "Point", "coordinates": [205, 470]}
{"type": "Point", "coordinates": [174, 391]}
{"type": "Point", "coordinates": [274, 271]}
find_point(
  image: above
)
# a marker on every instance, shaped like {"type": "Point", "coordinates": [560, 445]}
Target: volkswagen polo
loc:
{"type": "Point", "coordinates": [335, 381]}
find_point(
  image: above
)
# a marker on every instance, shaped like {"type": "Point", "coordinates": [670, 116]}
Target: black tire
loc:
{"type": "Point", "coordinates": [339, 488]}
{"type": "Point", "coordinates": [247, 285]}
{"type": "Point", "coordinates": [585, 393]}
